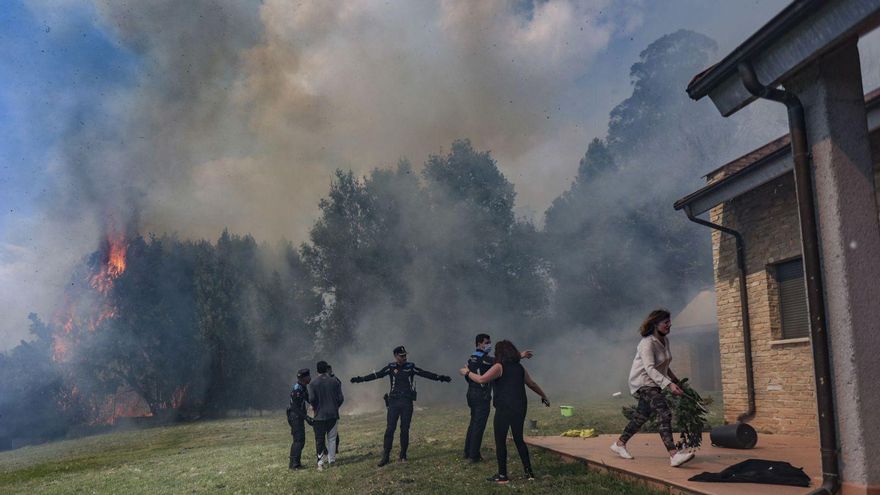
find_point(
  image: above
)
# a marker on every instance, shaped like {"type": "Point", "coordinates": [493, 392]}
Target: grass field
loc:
{"type": "Point", "coordinates": [249, 455]}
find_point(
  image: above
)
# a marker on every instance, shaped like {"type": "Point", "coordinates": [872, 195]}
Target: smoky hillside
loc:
{"type": "Point", "coordinates": [161, 324]}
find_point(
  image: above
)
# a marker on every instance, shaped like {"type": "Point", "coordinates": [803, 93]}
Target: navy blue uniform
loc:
{"type": "Point", "coordinates": [399, 400]}
{"type": "Point", "coordinates": [479, 400]}
{"type": "Point", "coordinates": [296, 417]}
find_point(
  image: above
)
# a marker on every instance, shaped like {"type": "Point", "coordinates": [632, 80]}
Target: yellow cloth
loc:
{"type": "Point", "coordinates": [585, 433]}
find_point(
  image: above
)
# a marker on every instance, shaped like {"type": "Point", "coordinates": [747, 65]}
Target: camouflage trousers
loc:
{"type": "Point", "coordinates": [651, 401]}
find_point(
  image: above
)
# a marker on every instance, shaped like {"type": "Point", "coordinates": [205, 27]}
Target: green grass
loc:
{"type": "Point", "coordinates": [250, 456]}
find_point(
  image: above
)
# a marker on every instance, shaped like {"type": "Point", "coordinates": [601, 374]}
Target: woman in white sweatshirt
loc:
{"type": "Point", "coordinates": [649, 375]}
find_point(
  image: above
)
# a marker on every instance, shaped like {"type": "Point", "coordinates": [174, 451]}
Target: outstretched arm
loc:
{"type": "Point", "coordinates": [494, 372]}
{"type": "Point", "coordinates": [372, 376]}
{"type": "Point", "coordinates": [432, 376]}
{"type": "Point", "coordinates": [536, 388]}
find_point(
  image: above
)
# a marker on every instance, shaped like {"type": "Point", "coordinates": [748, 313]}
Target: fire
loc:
{"type": "Point", "coordinates": [112, 264]}
{"type": "Point", "coordinates": [178, 396]}
{"type": "Point", "coordinates": [71, 318]}
{"type": "Point", "coordinates": [88, 304]}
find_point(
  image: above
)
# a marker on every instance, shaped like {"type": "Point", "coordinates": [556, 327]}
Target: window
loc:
{"type": "Point", "coordinates": [793, 299]}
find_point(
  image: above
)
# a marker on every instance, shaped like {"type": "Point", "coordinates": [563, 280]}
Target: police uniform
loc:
{"type": "Point", "coordinates": [399, 400]}
{"type": "Point", "coordinates": [296, 417]}
{"type": "Point", "coordinates": [479, 400]}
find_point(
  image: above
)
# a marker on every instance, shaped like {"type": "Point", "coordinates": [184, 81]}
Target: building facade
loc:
{"type": "Point", "coordinates": [782, 361]}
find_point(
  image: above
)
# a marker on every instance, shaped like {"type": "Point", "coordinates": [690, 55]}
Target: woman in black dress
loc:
{"type": "Point", "coordinates": [510, 381]}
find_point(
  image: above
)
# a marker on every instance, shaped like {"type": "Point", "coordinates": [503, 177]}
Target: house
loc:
{"type": "Point", "coordinates": [796, 239]}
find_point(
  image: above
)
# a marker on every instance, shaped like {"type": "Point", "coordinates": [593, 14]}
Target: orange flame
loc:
{"type": "Point", "coordinates": [69, 319]}
{"type": "Point", "coordinates": [113, 264]}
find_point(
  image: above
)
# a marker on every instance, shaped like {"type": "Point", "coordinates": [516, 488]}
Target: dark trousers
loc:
{"type": "Point", "coordinates": [322, 427]}
{"type": "Point", "coordinates": [480, 403]}
{"type": "Point", "coordinates": [398, 409]}
{"type": "Point", "coordinates": [298, 430]}
{"type": "Point", "coordinates": [651, 401]}
{"type": "Point", "coordinates": [507, 419]}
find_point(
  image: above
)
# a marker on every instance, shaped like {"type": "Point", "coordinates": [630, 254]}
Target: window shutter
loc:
{"type": "Point", "coordinates": [793, 299]}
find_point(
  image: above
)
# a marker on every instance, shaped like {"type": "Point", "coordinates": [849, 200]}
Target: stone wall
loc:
{"type": "Point", "coordinates": [783, 369]}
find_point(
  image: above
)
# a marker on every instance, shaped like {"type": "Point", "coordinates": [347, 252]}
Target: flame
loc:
{"type": "Point", "coordinates": [112, 263]}
{"type": "Point", "coordinates": [178, 396]}
{"type": "Point", "coordinates": [69, 320]}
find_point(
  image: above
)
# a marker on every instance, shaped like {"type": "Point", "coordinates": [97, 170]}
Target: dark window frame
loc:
{"type": "Point", "coordinates": [791, 294]}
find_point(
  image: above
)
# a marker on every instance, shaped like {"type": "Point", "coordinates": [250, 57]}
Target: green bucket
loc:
{"type": "Point", "coordinates": [566, 411]}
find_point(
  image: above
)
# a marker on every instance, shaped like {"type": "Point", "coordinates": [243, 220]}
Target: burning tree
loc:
{"type": "Point", "coordinates": [144, 346]}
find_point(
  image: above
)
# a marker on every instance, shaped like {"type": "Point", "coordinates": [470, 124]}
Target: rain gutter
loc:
{"type": "Point", "coordinates": [744, 307]}
{"type": "Point", "coordinates": [813, 272]}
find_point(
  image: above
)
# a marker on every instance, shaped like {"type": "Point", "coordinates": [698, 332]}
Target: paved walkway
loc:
{"type": "Point", "coordinates": [651, 465]}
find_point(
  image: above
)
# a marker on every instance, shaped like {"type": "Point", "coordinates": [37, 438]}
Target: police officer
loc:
{"type": "Point", "coordinates": [399, 400]}
{"type": "Point", "coordinates": [479, 396]}
{"type": "Point", "coordinates": [296, 416]}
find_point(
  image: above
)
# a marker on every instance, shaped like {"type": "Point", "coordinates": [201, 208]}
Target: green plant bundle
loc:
{"type": "Point", "coordinates": [689, 416]}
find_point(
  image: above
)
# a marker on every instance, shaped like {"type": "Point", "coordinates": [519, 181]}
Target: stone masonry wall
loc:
{"type": "Point", "coordinates": [783, 370]}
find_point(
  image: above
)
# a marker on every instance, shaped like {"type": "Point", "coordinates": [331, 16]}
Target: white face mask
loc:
{"type": "Point", "coordinates": [486, 347]}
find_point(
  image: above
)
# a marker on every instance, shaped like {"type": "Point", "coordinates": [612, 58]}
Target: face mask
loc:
{"type": "Point", "coordinates": [486, 347]}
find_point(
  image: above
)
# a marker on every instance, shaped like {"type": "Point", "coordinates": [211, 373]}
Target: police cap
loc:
{"type": "Point", "coordinates": [399, 350]}
{"type": "Point", "coordinates": [302, 373]}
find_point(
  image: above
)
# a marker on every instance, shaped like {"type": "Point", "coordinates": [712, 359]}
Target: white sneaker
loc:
{"type": "Point", "coordinates": [621, 451]}
{"type": "Point", "coordinates": [320, 463]}
{"type": "Point", "coordinates": [680, 458]}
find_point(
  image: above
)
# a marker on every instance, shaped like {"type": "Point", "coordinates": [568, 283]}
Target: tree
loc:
{"type": "Point", "coordinates": [614, 243]}
{"type": "Point", "coordinates": [31, 391]}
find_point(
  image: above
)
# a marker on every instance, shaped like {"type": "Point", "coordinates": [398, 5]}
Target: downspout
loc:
{"type": "Point", "coordinates": [744, 308]}
{"type": "Point", "coordinates": [812, 268]}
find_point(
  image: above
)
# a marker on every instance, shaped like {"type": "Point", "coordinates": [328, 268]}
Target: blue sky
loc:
{"type": "Point", "coordinates": [235, 113]}
{"type": "Point", "coordinates": [55, 68]}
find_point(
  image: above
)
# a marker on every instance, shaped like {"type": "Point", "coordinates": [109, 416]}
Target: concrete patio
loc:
{"type": "Point", "coordinates": [651, 465]}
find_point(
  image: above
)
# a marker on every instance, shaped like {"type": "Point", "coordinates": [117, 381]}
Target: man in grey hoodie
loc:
{"type": "Point", "coordinates": [325, 395]}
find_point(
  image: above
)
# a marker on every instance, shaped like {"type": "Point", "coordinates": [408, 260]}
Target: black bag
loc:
{"type": "Point", "coordinates": [758, 471]}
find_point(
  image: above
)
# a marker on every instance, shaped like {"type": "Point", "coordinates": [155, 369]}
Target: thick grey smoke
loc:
{"type": "Point", "coordinates": [237, 113]}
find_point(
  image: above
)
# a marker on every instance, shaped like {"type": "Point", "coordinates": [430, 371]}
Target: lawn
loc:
{"type": "Point", "coordinates": [249, 455]}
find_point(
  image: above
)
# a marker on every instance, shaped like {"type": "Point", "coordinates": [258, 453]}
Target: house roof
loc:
{"type": "Point", "coordinates": [758, 167]}
{"type": "Point", "coordinates": [797, 36]}
{"type": "Point", "coordinates": [776, 27]}
{"type": "Point", "coordinates": [699, 314]}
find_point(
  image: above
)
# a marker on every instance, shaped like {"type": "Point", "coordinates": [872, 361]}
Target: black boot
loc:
{"type": "Point", "coordinates": [384, 460]}
{"type": "Point", "coordinates": [501, 479]}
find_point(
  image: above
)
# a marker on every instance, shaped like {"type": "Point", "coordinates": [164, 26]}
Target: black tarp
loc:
{"type": "Point", "coordinates": [758, 471]}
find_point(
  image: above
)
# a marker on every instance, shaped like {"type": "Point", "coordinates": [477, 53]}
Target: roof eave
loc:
{"type": "Point", "coordinates": [802, 32]}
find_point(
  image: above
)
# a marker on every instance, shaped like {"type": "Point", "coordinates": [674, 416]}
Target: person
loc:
{"type": "Point", "coordinates": [649, 375]}
{"type": "Point", "coordinates": [334, 432]}
{"type": "Point", "coordinates": [297, 416]}
{"type": "Point", "coordinates": [509, 379]}
{"type": "Point", "coordinates": [399, 400]}
{"type": "Point", "coordinates": [479, 396]}
{"type": "Point", "coordinates": [326, 397]}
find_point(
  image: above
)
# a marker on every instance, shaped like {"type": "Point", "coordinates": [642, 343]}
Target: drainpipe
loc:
{"type": "Point", "coordinates": [744, 307]}
{"type": "Point", "coordinates": [812, 268]}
